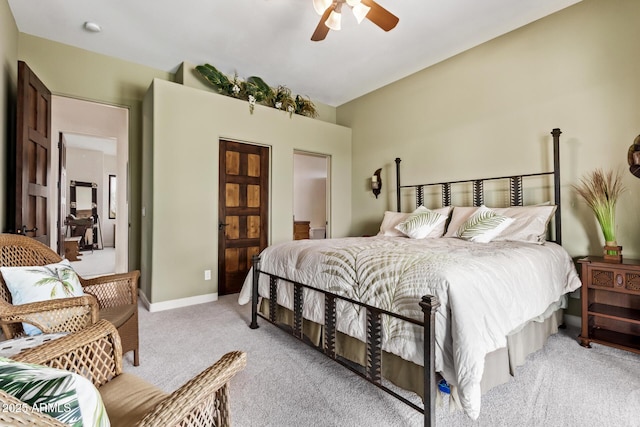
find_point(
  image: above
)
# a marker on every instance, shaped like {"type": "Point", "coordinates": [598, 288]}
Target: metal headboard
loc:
{"type": "Point", "coordinates": [516, 190]}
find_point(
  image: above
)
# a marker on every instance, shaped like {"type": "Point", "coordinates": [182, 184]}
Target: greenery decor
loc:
{"type": "Point", "coordinates": [601, 191]}
{"type": "Point", "coordinates": [255, 90]}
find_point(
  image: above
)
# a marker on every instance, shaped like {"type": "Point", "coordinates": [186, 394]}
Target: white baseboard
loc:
{"type": "Point", "coordinates": [571, 320]}
{"type": "Point", "coordinates": [176, 303]}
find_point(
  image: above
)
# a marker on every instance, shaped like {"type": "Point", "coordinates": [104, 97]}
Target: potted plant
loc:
{"type": "Point", "coordinates": [601, 191]}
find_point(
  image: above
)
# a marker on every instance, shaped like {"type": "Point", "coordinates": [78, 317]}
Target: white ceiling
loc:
{"type": "Point", "coordinates": [271, 38]}
{"type": "Point", "coordinates": [89, 142]}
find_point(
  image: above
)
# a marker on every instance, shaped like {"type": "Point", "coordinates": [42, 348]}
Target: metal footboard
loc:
{"type": "Point", "coordinates": [372, 371]}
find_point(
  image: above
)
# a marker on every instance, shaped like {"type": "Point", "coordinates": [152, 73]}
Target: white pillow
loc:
{"type": "Point", "coordinates": [63, 395]}
{"type": "Point", "coordinates": [389, 222]}
{"type": "Point", "coordinates": [483, 226]}
{"type": "Point", "coordinates": [392, 219]}
{"type": "Point", "coordinates": [529, 225]}
{"type": "Point", "coordinates": [41, 283]}
{"type": "Point", "coordinates": [421, 223]}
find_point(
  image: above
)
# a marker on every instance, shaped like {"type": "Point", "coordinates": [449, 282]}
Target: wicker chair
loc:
{"type": "Point", "coordinates": [116, 296]}
{"type": "Point", "coordinates": [129, 401]}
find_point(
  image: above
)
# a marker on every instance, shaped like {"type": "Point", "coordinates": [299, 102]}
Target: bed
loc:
{"type": "Point", "coordinates": [466, 292]}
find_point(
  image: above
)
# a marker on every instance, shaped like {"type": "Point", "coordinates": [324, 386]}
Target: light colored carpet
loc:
{"type": "Point", "coordinates": [96, 263]}
{"type": "Point", "coordinates": [287, 383]}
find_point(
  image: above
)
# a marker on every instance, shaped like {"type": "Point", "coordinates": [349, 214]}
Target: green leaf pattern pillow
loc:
{"type": "Point", "coordinates": [483, 226]}
{"type": "Point", "coordinates": [63, 395]}
{"type": "Point", "coordinates": [420, 223]}
{"type": "Point", "coordinates": [41, 283]}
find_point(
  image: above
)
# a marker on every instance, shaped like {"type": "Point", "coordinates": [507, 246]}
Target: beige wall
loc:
{"type": "Point", "coordinates": [78, 73]}
{"type": "Point", "coordinates": [146, 240]}
{"type": "Point", "coordinates": [8, 87]}
{"type": "Point", "coordinates": [187, 125]}
{"type": "Point", "coordinates": [489, 111]}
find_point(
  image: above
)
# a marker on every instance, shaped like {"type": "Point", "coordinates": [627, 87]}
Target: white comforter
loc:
{"type": "Point", "coordinates": [486, 290]}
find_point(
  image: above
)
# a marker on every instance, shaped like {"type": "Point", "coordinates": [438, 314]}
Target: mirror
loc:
{"type": "Point", "coordinates": [112, 197]}
{"type": "Point", "coordinates": [83, 207]}
{"type": "Point", "coordinates": [84, 199]}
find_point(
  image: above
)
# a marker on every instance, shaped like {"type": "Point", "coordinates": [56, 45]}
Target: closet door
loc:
{"type": "Point", "coordinates": [243, 211]}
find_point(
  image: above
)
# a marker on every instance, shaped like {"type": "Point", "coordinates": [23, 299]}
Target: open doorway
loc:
{"type": "Point", "coordinates": [89, 164]}
{"type": "Point", "coordinates": [95, 152]}
{"type": "Point", "coordinates": [310, 195]}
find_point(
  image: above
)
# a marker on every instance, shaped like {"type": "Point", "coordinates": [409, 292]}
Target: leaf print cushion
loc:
{"type": "Point", "coordinates": [421, 223]}
{"type": "Point", "coordinates": [483, 226]}
{"type": "Point", "coordinates": [41, 283]}
{"type": "Point", "coordinates": [63, 395]}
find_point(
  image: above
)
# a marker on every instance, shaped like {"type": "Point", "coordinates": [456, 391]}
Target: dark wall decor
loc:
{"type": "Point", "coordinates": [376, 183]}
{"type": "Point", "coordinates": [633, 157]}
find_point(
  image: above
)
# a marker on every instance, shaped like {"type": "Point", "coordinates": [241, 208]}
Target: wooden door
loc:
{"type": "Point", "coordinates": [243, 211]}
{"type": "Point", "coordinates": [32, 158]}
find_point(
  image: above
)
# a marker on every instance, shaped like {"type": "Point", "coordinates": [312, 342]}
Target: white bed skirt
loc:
{"type": "Point", "coordinates": [499, 365]}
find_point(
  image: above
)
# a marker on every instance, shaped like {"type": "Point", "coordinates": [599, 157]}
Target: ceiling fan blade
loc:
{"type": "Point", "coordinates": [322, 30]}
{"type": "Point", "coordinates": [380, 16]}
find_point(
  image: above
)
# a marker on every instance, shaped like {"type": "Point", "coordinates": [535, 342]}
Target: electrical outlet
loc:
{"type": "Point", "coordinates": [207, 275]}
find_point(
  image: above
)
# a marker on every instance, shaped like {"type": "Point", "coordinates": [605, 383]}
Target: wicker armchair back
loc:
{"type": "Point", "coordinates": [61, 315]}
{"type": "Point", "coordinates": [113, 297]}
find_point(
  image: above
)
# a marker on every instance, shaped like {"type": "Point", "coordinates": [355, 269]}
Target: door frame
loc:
{"type": "Point", "coordinates": [83, 121]}
{"type": "Point", "coordinates": [327, 202]}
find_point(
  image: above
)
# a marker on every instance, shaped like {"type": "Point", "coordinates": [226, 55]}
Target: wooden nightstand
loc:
{"type": "Point", "coordinates": [301, 230]}
{"type": "Point", "coordinates": [610, 303]}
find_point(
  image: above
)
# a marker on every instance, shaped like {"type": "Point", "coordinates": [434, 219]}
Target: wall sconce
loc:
{"type": "Point", "coordinates": [376, 183]}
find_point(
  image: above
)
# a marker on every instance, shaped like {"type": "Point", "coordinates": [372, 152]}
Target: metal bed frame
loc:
{"type": "Point", "coordinates": [429, 303]}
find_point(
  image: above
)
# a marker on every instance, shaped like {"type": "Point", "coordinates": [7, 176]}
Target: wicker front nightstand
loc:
{"type": "Point", "coordinates": [611, 303]}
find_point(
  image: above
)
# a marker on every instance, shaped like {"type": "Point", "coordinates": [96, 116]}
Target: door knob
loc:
{"type": "Point", "coordinates": [221, 226]}
{"type": "Point", "coordinates": [24, 230]}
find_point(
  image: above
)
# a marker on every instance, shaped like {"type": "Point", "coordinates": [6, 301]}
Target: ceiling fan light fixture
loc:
{"type": "Point", "coordinates": [354, 3]}
{"type": "Point", "coordinates": [321, 5]}
{"type": "Point", "coordinates": [333, 21]}
{"type": "Point", "coordinates": [360, 12]}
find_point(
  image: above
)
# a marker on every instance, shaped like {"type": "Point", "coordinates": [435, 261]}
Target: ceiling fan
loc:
{"type": "Point", "coordinates": [331, 15]}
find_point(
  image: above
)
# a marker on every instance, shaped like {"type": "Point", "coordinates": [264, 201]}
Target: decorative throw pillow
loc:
{"type": "Point", "coordinates": [41, 283]}
{"type": "Point", "coordinates": [421, 223]}
{"type": "Point", "coordinates": [63, 395]}
{"type": "Point", "coordinates": [483, 226]}
{"type": "Point", "coordinates": [392, 219]}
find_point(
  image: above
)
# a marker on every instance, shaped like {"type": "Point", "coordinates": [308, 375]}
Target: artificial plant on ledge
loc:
{"type": "Point", "coordinates": [255, 90]}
